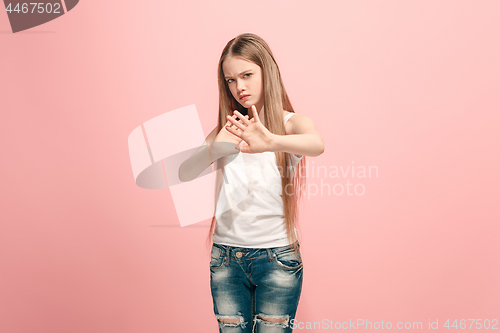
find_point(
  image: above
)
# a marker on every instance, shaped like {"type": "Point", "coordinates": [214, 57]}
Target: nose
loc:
{"type": "Point", "coordinates": [240, 87]}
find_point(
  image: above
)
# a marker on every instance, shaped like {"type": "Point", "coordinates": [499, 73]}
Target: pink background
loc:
{"type": "Point", "coordinates": [411, 87]}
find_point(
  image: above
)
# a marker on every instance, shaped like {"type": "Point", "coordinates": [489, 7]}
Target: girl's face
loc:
{"type": "Point", "coordinates": [245, 81]}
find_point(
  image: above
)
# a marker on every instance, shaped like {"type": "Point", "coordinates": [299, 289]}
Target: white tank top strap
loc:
{"type": "Point", "coordinates": [288, 116]}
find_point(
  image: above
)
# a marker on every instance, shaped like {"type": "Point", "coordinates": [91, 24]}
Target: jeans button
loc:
{"type": "Point", "coordinates": [239, 254]}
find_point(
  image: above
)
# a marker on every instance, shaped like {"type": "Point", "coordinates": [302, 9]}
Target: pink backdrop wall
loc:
{"type": "Point", "coordinates": [410, 88]}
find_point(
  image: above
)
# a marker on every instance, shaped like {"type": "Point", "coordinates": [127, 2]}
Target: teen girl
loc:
{"type": "Point", "coordinates": [256, 269]}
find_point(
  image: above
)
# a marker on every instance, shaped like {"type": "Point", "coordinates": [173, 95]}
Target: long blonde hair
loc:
{"type": "Point", "coordinates": [254, 49]}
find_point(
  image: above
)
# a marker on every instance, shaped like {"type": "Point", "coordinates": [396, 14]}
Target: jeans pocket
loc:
{"type": "Point", "coordinates": [216, 258]}
{"type": "Point", "coordinates": [288, 259]}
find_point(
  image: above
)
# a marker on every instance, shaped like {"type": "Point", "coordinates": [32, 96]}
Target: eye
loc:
{"type": "Point", "coordinates": [248, 74]}
{"type": "Point", "coordinates": [228, 81]}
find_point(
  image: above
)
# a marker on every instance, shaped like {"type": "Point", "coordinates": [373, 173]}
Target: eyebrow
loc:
{"type": "Point", "coordinates": [248, 70]}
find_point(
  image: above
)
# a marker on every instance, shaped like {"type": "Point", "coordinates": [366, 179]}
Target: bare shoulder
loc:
{"type": "Point", "coordinates": [288, 124]}
{"type": "Point", "coordinates": [299, 124]}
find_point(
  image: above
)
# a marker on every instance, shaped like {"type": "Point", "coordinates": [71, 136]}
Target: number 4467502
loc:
{"type": "Point", "coordinates": [39, 7]}
{"type": "Point", "coordinates": [486, 324]}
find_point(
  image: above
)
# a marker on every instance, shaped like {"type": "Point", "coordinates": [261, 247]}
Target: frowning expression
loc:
{"type": "Point", "coordinates": [245, 81]}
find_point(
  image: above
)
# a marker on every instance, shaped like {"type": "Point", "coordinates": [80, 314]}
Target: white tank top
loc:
{"type": "Point", "coordinates": [249, 210]}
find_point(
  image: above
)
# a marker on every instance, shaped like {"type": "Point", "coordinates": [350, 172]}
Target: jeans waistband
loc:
{"type": "Point", "coordinates": [249, 253]}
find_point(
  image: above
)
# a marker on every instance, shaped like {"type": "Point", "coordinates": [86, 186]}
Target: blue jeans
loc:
{"type": "Point", "coordinates": [255, 290]}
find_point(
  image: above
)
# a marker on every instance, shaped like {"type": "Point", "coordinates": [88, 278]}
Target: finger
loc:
{"type": "Point", "coordinates": [245, 120]}
{"type": "Point", "coordinates": [233, 131]}
{"type": "Point", "coordinates": [255, 113]}
{"type": "Point", "coordinates": [245, 117]}
{"type": "Point", "coordinates": [230, 119]}
{"type": "Point", "coordinates": [233, 127]}
{"type": "Point", "coordinates": [241, 121]}
{"type": "Point", "coordinates": [236, 123]}
{"type": "Point", "coordinates": [228, 122]}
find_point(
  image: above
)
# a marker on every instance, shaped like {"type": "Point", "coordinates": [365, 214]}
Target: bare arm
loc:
{"type": "Point", "coordinates": [199, 161]}
{"type": "Point", "coordinates": [304, 139]}
{"type": "Point", "coordinates": [216, 145]}
{"type": "Point", "coordinates": [209, 139]}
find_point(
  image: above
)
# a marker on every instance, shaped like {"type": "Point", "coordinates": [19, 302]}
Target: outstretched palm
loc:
{"type": "Point", "coordinates": [225, 136]}
{"type": "Point", "coordinates": [257, 137]}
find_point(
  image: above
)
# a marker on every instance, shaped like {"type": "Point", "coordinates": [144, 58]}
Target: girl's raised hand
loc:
{"type": "Point", "coordinates": [257, 137]}
{"type": "Point", "coordinates": [225, 136]}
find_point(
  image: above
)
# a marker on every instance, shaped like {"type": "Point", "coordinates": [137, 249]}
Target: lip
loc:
{"type": "Point", "coordinates": [243, 97]}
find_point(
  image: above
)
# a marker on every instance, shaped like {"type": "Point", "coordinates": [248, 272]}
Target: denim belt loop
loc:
{"type": "Point", "coordinates": [269, 255]}
{"type": "Point", "coordinates": [228, 256]}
